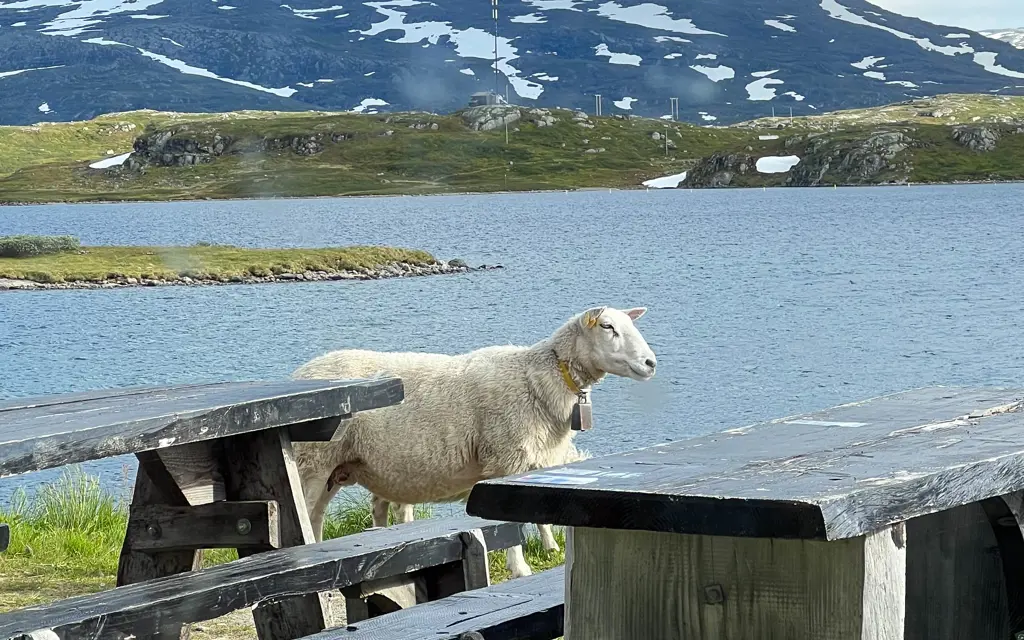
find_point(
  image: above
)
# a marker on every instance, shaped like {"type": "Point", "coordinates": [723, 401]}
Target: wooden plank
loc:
{"type": "Point", "coordinates": [5, 537]}
{"type": "Point", "coordinates": [640, 584]}
{"type": "Point", "coordinates": [322, 430]}
{"type": "Point", "coordinates": [828, 475]}
{"type": "Point", "coordinates": [529, 608]}
{"type": "Point", "coordinates": [151, 607]}
{"type": "Point", "coordinates": [153, 486]}
{"type": "Point", "coordinates": [249, 525]}
{"type": "Point", "coordinates": [57, 432]}
{"type": "Point", "coordinates": [260, 466]}
{"type": "Point", "coordinates": [955, 559]}
{"type": "Point", "coordinates": [476, 570]}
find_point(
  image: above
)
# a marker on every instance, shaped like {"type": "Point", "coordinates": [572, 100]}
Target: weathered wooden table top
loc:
{"type": "Point", "coordinates": [837, 473]}
{"type": "Point", "coordinates": [50, 431]}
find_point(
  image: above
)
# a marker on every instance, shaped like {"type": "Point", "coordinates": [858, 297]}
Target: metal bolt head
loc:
{"type": "Point", "coordinates": [714, 594]}
{"type": "Point", "coordinates": [243, 526]}
{"type": "Point", "coordinates": [154, 531]}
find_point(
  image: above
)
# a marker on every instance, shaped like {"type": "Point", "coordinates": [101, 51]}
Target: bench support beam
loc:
{"type": "Point", "coordinates": [154, 485]}
{"type": "Point", "coordinates": [641, 584]}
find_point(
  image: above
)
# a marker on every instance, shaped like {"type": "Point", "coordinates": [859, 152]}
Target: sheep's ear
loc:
{"type": "Point", "coordinates": [590, 317]}
{"type": "Point", "coordinates": [635, 314]}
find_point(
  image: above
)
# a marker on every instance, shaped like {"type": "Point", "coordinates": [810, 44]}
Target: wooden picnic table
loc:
{"type": "Point", "coordinates": [215, 468]}
{"type": "Point", "coordinates": [895, 517]}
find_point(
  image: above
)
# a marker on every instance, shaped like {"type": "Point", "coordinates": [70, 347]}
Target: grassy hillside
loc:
{"type": "Point", "coordinates": [264, 155]}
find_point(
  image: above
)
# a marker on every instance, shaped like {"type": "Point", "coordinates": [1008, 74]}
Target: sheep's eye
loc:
{"type": "Point", "coordinates": [610, 328]}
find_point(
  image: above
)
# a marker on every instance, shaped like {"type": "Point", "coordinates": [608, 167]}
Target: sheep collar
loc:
{"type": "Point", "coordinates": [582, 417]}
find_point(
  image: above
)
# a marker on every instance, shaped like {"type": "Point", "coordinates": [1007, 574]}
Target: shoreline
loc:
{"type": "Point", "coordinates": [498, 192]}
{"type": "Point", "coordinates": [384, 272]}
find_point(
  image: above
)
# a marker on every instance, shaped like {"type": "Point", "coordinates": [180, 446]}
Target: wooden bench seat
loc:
{"type": "Point", "coordinates": [529, 608]}
{"type": "Point", "coordinates": [154, 606]}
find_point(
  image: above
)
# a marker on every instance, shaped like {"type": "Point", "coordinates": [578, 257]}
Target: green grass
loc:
{"type": "Point", "coordinates": [201, 260]}
{"type": "Point", "coordinates": [452, 158]}
{"type": "Point", "coordinates": [65, 540]}
{"type": "Point", "coordinates": [385, 154]}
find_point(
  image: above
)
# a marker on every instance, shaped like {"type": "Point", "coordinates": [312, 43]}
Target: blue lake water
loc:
{"type": "Point", "coordinates": [762, 303]}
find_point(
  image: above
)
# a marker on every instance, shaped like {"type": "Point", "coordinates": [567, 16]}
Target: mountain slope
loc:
{"type": "Point", "coordinates": [724, 61]}
{"type": "Point", "coordinates": [1014, 36]}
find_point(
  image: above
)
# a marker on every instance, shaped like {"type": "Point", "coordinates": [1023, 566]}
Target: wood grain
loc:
{"type": "Point", "coordinates": [148, 608]}
{"type": "Point", "coordinates": [260, 466]}
{"type": "Point", "coordinates": [153, 486]}
{"type": "Point", "coordinates": [220, 525]}
{"type": "Point", "coordinates": [529, 608]}
{"type": "Point", "coordinates": [39, 433]}
{"type": "Point", "coordinates": [638, 584]}
{"type": "Point", "coordinates": [955, 583]}
{"type": "Point", "coordinates": [839, 473]}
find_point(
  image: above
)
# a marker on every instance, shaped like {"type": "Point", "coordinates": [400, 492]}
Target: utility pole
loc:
{"type": "Point", "coordinates": [597, 104]}
{"type": "Point", "coordinates": [674, 107]}
{"type": "Point", "coordinates": [666, 140]}
{"type": "Point", "coordinates": [494, 14]}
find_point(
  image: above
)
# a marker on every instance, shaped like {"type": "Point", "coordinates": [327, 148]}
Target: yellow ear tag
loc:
{"type": "Point", "coordinates": [591, 322]}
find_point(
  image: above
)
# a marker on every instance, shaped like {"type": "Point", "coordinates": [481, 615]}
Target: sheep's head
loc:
{"type": "Point", "coordinates": [613, 344]}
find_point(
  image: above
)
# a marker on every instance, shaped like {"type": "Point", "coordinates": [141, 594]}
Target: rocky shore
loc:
{"type": "Point", "coordinates": [395, 270]}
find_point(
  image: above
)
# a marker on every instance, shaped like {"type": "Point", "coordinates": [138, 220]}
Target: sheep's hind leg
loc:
{"type": "Point", "coordinates": [403, 513]}
{"type": "Point", "coordinates": [547, 537]}
{"type": "Point", "coordinates": [380, 511]}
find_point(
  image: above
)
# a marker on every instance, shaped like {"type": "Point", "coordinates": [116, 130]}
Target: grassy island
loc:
{"type": "Point", "coordinates": [61, 262]}
{"type": "Point", "coordinates": [65, 541]}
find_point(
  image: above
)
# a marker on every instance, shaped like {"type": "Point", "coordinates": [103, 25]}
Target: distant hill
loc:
{"type": "Point", "coordinates": [1014, 36]}
{"type": "Point", "coordinates": [724, 61]}
{"type": "Point", "coordinates": [171, 156]}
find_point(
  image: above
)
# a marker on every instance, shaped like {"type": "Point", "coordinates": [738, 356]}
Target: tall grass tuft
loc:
{"type": "Point", "coordinates": [27, 246]}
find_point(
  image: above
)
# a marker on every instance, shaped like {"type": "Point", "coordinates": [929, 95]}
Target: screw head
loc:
{"type": "Point", "coordinates": [243, 526]}
{"type": "Point", "coordinates": [154, 531]}
{"type": "Point", "coordinates": [714, 594]}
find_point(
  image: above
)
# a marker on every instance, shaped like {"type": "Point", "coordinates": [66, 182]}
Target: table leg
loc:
{"type": "Point", "coordinates": [640, 584]}
{"type": "Point", "coordinates": [260, 466]}
{"type": "Point", "coordinates": [155, 486]}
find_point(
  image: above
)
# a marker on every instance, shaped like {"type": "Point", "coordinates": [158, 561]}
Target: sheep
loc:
{"type": "Point", "coordinates": [492, 412]}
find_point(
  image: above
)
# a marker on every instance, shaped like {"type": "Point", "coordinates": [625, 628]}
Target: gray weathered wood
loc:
{"type": "Point", "coordinates": [5, 537]}
{"type": "Point", "coordinates": [195, 469]}
{"type": "Point", "coordinates": [827, 475]}
{"type": "Point", "coordinates": [476, 571]}
{"type": "Point", "coordinates": [153, 607]}
{"type": "Point", "coordinates": [153, 486]}
{"type": "Point", "coordinates": [39, 433]}
{"type": "Point", "coordinates": [955, 585]}
{"type": "Point", "coordinates": [322, 430]}
{"type": "Point", "coordinates": [639, 584]}
{"type": "Point", "coordinates": [260, 466]}
{"type": "Point", "coordinates": [529, 608]}
{"type": "Point", "coordinates": [220, 525]}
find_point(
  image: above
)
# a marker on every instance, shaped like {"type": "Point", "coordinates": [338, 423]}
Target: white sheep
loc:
{"type": "Point", "coordinates": [489, 413]}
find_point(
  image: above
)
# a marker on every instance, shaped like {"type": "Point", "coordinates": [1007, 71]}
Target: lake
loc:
{"type": "Point", "coordinates": [761, 303]}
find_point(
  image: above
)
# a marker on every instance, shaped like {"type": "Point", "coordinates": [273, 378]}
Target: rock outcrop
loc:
{"type": "Point", "coordinates": [486, 118]}
{"type": "Point", "coordinates": [977, 138]}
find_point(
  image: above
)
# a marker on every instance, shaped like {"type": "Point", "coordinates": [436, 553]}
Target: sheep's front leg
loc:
{"type": "Point", "coordinates": [516, 562]}
{"type": "Point", "coordinates": [547, 537]}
